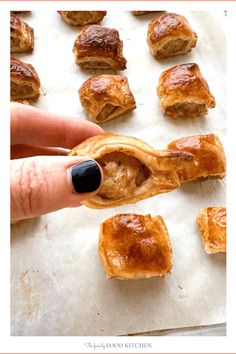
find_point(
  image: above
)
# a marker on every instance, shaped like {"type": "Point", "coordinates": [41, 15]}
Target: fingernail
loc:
{"type": "Point", "coordinates": [86, 176]}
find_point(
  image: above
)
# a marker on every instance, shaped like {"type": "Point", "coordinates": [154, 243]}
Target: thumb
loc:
{"type": "Point", "coordinates": [43, 184]}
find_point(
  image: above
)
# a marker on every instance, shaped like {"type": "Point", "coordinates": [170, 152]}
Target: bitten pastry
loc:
{"type": "Point", "coordinates": [82, 18]}
{"type": "Point", "coordinates": [132, 170]}
{"type": "Point", "coordinates": [209, 157]}
{"type": "Point", "coordinates": [25, 81]}
{"type": "Point", "coordinates": [98, 47]}
{"type": "Point", "coordinates": [135, 246]}
{"type": "Point", "coordinates": [184, 92]}
{"type": "Point", "coordinates": [170, 35]}
{"type": "Point", "coordinates": [106, 96]}
{"type": "Point", "coordinates": [212, 226]}
{"type": "Point", "coordinates": [22, 36]}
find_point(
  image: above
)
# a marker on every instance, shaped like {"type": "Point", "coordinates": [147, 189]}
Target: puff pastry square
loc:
{"type": "Point", "coordinates": [184, 92]}
{"type": "Point", "coordinates": [132, 169]}
{"type": "Point", "coordinates": [98, 47]}
{"type": "Point", "coordinates": [25, 81]}
{"type": "Point", "coordinates": [135, 246]}
{"type": "Point", "coordinates": [212, 226]}
{"type": "Point", "coordinates": [209, 157]}
{"type": "Point", "coordinates": [82, 18]}
{"type": "Point", "coordinates": [106, 96]}
{"type": "Point", "coordinates": [170, 35]}
{"type": "Point", "coordinates": [22, 36]}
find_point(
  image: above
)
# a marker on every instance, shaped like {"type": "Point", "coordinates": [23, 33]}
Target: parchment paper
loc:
{"type": "Point", "coordinates": [58, 284]}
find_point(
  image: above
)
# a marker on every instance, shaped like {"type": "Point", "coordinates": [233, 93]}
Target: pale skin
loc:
{"type": "Point", "coordinates": [40, 179]}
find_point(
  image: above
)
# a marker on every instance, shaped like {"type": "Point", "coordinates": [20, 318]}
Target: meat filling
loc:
{"type": "Point", "coordinates": [106, 111]}
{"type": "Point", "coordinates": [15, 42]}
{"type": "Point", "coordinates": [20, 92]}
{"type": "Point", "coordinates": [122, 175]}
{"type": "Point", "coordinates": [186, 109]}
{"type": "Point", "coordinates": [94, 65]}
{"type": "Point", "coordinates": [174, 47]}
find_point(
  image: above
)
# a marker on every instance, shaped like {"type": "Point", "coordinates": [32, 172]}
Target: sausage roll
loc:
{"type": "Point", "coordinates": [135, 246]}
{"type": "Point", "coordinates": [170, 35]}
{"type": "Point", "coordinates": [22, 36]}
{"type": "Point", "coordinates": [184, 92]}
{"type": "Point", "coordinates": [98, 47]}
{"type": "Point", "coordinates": [25, 81]}
{"type": "Point", "coordinates": [106, 96]}
{"type": "Point", "coordinates": [132, 170]}
{"type": "Point", "coordinates": [209, 157]}
{"type": "Point", "coordinates": [82, 18]}
{"type": "Point", "coordinates": [212, 226]}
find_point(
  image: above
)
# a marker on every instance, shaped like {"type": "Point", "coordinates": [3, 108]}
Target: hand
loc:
{"type": "Point", "coordinates": [43, 178]}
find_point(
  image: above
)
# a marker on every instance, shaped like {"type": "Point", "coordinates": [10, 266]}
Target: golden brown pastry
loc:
{"type": "Point", "coordinates": [98, 47]}
{"type": "Point", "coordinates": [135, 246]}
{"type": "Point", "coordinates": [139, 13]}
{"type": "Point", "coordinates": [212, 226]}
{"type": "Point", "coordinates": [170, 35]}
{"type": "Point", "coordinates": [209, 157]}
{"type": "Point", "coordinates": [21, 101]}
{"type": "Point", "coordinates": [106, 96]}
{"type": "Point", "coordinates": [22, 36]}
{"type": "Point", "coordinates": [82, 18]}
{"type": "Point", "coordinates": [184, 92]}
{"type": "Point", "coordinates": [25, 81]}
{"type": "Point", "coordinates": [132, 169]}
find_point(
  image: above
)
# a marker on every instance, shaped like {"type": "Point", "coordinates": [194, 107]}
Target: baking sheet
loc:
{"type": "Point", "coordinates": [58, 286]}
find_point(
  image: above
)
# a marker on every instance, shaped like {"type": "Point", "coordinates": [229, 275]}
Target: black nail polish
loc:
{"type": "Point", "coordinates": [86, 176]}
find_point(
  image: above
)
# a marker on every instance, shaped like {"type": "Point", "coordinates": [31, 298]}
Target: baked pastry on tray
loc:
{"type": "Point", "coordinates": [132, 170]}
{"type": "Point", "coordinates": [212, 226]}
{"type": "Point", "coordinates": [184, 92]}
{"type": "Point", "coordinates": [98, 47]}
{"type": "Point", "coordinates": [25, 81]}
{"type": "Point", "coordinates": [170, 35]}
{"type": "Point", "coordinates": [135, 246]}
{"type": "Point", "coordinates": [22, 36]}
{"type": "Point", "coordinates": [82, 18]}
{"type": "Point", "coordinates": [209, 157]}
{"type": "Point", "coordinates": [106, 96]}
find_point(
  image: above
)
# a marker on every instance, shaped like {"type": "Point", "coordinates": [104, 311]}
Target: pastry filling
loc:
{"type": "Point", "coordinates": [106, 111]}
{"type": "Point", "coordinates": [15, 43]}
{"type": "Point", "coordinates": [76, 18]}
{"type": "Point", "coordinates": [174, 47]}
{"type": "Point", "coordinates": [95, 65]}
{"type": "Point", "coordinates": [186, 109]}
{"type": "Point", "coordinates": [19, 92]}
{"type": "Point", "coordinates": [81, 19]}
{"type": "Point", "coordinates": [122, 175]}
{"type": "Point", "coordinates": [24, 45]}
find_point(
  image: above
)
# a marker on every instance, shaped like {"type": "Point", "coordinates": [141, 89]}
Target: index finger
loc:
{"type": "Point", "coordinates": [32, 126]}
